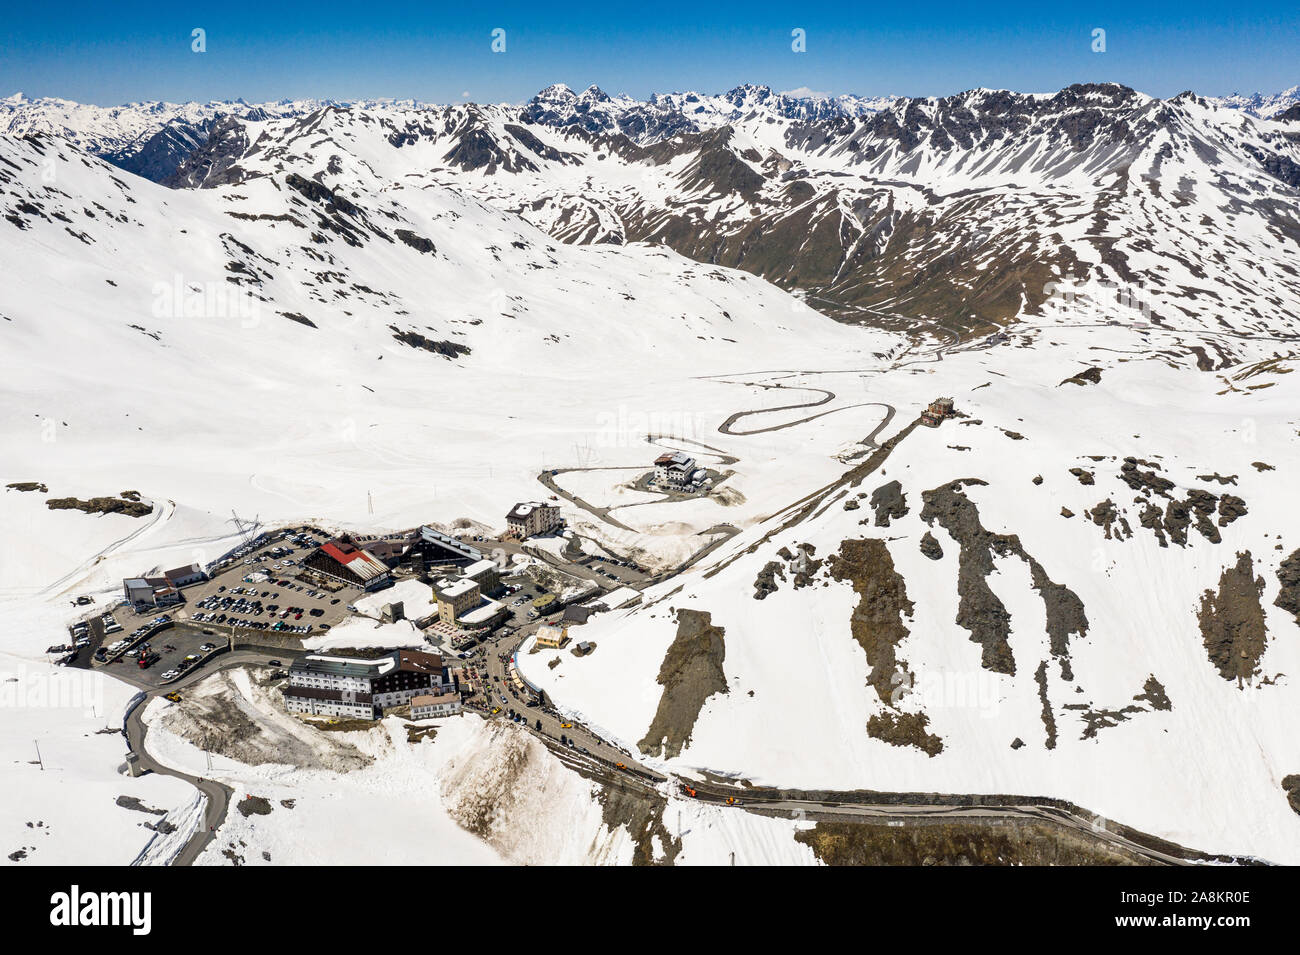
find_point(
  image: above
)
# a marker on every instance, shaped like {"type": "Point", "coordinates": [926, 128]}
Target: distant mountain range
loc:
{"type": "Point", "coordinates": [151, 139]}
{"type": "Point", "coordinates": [962, 209]}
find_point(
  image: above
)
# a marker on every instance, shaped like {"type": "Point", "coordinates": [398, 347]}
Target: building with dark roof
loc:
{"type": "Point", "coordinates": [530, 518]}
{"type": "Point", "coordinates": [184, 576]}
{"type": "Point", "coordinates": [431, 548]}
{"type": "Point", "coordinates": [323, 685]}
{"type": "Point", "coordinates": [342, 560]}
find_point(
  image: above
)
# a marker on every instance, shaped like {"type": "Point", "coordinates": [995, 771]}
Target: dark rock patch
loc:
{"type": "Point", "coordinates": [100, 505]}
{"type": "Point", "coordinates": [254, 806]}
{"type": "Point", "coordinates": [642, 815]}
{"type": "Point", "coordinates": [1230, 508]}
{"type": "Point", "coordinates": [1152, 518]}
{"type": "Point", "coordinates": [1288, 578]}
{"type": "Point", "coordinates": [1290, 785]}
{"type": "Point", "coordinates": [1232, 622]}
{"type": "Point", "coordinates": [905, 729]}
{"type": "Point", "coordinates": [1049, 718]}
{"type": "Point", "coordinates": [131, 802]}
{"type": "Point", "coordinates": [1105, 515]}
{"type": "Point", "coordinates": [1153, 692]}
{"type": "Point", "coordinates": [1144, 481]}
{"type": "Point", "coordinates": [418, 242]}
{"type": "Point", "coordinates": [979, 611]}
{"type": "Point", "coordinates": [889, 502]}
{"type": "Point", "coordinates": [877, 620]}
{"type": "Point", "coordinates": [690, 674]}
{"type": "Point", "coordinates": [930, 546]}
{"type": "Point", "coordinates": [1089, 376]}
{"type": "Point", "coordinates": [299, 318]}
{"type": "Point", "coordinates": [446, 349]}
{"type": "Point", "coordinates": [766, 581]}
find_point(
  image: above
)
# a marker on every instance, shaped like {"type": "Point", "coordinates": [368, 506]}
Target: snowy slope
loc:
{"type": "Point", "coordinates": [800, 691]}
{"type": "Point", "coordinates": [971, 210]}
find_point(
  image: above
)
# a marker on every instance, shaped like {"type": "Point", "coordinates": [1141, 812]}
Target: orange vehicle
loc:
{"type": "Point", "coordinates": [620, 765]}
{"type": "Point", "coordinates": [733, 801]}
{"type": "Point", "coordinates": [689, 791]}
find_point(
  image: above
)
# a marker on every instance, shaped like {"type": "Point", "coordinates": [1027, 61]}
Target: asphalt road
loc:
{"type": "Point", "coordinates": [218, 795]}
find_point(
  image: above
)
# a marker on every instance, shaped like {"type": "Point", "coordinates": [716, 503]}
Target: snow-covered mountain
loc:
{"type": "Point", "coordinates": [665, 115]}
{"type": "Point", "coordinates": [968, 210]}
{"type": "Point", "coordinates": [148, 139]}
{"type": "Point", "coordinates": [1267, 105]}
{"type": "Point", "coordinates": [1085, 586]}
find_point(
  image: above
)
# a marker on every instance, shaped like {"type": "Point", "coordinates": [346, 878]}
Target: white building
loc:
{"type": "Point", "coordinates": [674, 469]}
{"type": "Point", "coordinates": [430, 706]}
{"type": "Point", "coordinates": [322, 685]}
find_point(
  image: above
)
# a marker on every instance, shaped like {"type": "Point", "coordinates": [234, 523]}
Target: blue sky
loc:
{"type": "Point", "coordinates": [110, 53]}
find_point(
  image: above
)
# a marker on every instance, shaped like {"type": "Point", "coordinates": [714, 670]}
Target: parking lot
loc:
{"type": "Point", "coordinates": [171, 653]}
{"type": "Point", "coordinates": [261, 593]}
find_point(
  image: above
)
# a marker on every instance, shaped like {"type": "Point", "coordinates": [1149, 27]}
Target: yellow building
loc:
{"type": "Point", "coordinates": [552, 638]}
{"type": "Point", "coordinates": [456, 597]}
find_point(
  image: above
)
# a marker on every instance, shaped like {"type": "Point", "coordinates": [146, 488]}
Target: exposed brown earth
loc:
{"type": "Point", "coordinates": [957, 843]}
{"type": "Point", "coordinates": [100, 505]}
{"type": "Point", "coordinates": [690, 674]}
{"type": "Point", "coordinates": [889, 502]}
{"type": "Point", "coordinates": [642, 814]}
{"type": "Point", "coordinates": [1288, 578]}
{"type": "Point", "coordinates": [877, 620]}
{"type": "Point", "coordinates": [1291, 786]}
{"type": "Point", "coordinates": [1232, 622]}
{"type": "Point", "coordinates": [905, 729]}
{"type": "Point", "coordinates": [979, 610]}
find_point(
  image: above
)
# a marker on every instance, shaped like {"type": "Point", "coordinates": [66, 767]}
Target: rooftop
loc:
{"type": "Point", "coordinates": [524, 509]}
{"type": "Point", "coordinates": [418, 661]}
{"type": "Point", "coordinates": [483, 612]}
{"type": "Point", "coordinates": [480, 567]}
{"type": "Point", "coordinates": [451, 589]}
{"type": "Point", "coordinates": [431, 536]}
{"type": "Point", "coordinates": [675, 459]}
{"type": "Point", "coordinates": [346, 666]}
{"type": "Point", "coordinates": [361, 562]}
